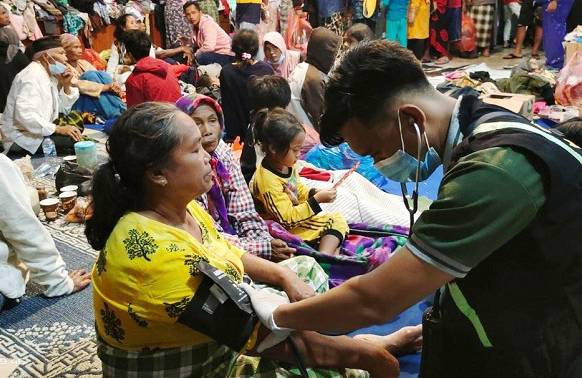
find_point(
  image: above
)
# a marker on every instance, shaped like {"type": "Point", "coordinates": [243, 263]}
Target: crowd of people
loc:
{"type": "Point", "coordinates": [173, 201]}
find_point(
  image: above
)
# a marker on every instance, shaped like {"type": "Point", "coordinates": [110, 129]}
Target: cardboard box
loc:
{"type": "Point", "coordinates": [571, 48]}
{"type": "Point", "coordinates": [517, 103]}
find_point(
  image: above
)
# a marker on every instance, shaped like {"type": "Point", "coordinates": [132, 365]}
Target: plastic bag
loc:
{"type": "Point", "coordinates": [468, 40]}
{"type": "Point", "coordinates": [71, 174]}
{"type": "Point", "coordinates": [569, 82]}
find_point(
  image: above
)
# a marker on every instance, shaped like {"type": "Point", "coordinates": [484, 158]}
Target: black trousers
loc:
{"type": "Point", "coordinates": [64, 145]}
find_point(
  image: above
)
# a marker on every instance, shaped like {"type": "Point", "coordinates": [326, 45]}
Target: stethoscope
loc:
{"type": "Point", "coordinates": [412, 209]}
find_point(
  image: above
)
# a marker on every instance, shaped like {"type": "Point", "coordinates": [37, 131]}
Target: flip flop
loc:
{"type": "Point", "coordinates": [512, 56]}
{"type": "Point", "coordinates": [442, 60]}
{"type": "Point", "coordinates": [537, 56]}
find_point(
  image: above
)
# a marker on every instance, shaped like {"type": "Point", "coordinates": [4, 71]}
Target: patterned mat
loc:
{"type": "Point", "coordinates": [53, 337]}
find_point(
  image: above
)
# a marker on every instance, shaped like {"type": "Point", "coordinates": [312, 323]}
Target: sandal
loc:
{"type": "Point", "coordinates": [512, 56]}
{"type": "Point", "coordinates": [537, 56]}
{"type": "Point", "coordinates": [442, 60]}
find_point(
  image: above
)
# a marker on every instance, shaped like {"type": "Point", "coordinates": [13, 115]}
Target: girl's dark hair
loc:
{"type": "Point", "coordinates": [275, 129]}
{"type": "Point", "coordinates": [120, 26]}
{"type": "Point", "coordinates": [142, 138]}
{"type": "Point", "coordinates": [189, 3]}
{"type": "Point", "coordinates": [245, 41]}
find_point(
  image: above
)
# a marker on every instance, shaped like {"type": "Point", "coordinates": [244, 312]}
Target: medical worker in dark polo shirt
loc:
{"type": "Point", "coordinates": [502, 243]}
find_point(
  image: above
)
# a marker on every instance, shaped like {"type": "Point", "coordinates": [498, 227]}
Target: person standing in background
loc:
{"type": "Point", "coordinates": [396, 21]}
{"type": "Point", "coordinates": [483, 14]}
{"type": "Point", "coordinates": [511, 9]}
{"type": "Point", "coordinates": [248, 14]}
{"type": "Point", "coordinates": [418, 26]}
{"type": "Point", "coordinates": [176, 24]}
{"type": "Point", "coordinates": [554, 25]}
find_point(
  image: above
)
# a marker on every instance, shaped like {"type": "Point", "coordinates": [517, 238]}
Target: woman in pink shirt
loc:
{"type": "Point", "coordinates": [211, 43]}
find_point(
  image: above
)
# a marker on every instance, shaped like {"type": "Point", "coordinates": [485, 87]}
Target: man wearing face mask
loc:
{"type": "Point", "coordinates": [501, 244]}
{"type": "Point", "coordinates": [38, 94]}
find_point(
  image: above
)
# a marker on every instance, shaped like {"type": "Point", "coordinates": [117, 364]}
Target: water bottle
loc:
{"type": "Point", "coordinates": [50, 155]}
{"type": "Point", "coordinates": [48, 148]}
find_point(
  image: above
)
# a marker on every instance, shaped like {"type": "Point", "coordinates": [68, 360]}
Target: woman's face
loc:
{"type": "Point", "coordinates": [272, 52]}
{"type": "Point", "coordinates": [4, 17]}
{"type": "Point", "coordinates": [74, 51]}
{"type": "Point", "coordinates": [209, 126]}
{"type": "Point", "coordinates": [189, 174]}
{"type": "Point", "coordinates": [131, 24]}
{"type": "Point", "coordinates": [193, 15]}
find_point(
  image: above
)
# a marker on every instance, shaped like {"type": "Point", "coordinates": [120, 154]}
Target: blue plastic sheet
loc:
{"type": "Point", "coordinates": [343, 157]}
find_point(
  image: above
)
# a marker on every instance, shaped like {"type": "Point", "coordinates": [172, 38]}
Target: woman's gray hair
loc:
{"type": "Point", "coordinates": [9, 39]}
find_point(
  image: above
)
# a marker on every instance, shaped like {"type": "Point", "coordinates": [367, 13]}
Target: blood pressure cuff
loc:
{"type": "Point", "coordinates": [220, 310]}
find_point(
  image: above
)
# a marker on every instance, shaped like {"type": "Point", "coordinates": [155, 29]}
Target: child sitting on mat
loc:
{"type": "Point", "coordinates": [281, 195]}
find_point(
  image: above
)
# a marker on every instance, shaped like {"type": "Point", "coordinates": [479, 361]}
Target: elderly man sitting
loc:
{"type": "Point", "coordinates": [38, 94]}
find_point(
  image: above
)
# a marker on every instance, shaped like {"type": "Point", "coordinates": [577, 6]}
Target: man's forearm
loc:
{"type": "Point", "coordinates": [373, 298]}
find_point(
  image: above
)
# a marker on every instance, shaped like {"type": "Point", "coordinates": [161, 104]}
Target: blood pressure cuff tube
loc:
{"type": "Point", "coordinates": [220, 310]}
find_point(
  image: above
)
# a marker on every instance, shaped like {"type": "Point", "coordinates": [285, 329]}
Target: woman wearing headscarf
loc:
{"type": "Point", "coordinates": [12, 61]}
{"type": "Point", "coordinates": [229, 201]}
{"type": "Point", "coordinates": [277, 56]}
{"type": "Point", "coordinates": [99, 94]}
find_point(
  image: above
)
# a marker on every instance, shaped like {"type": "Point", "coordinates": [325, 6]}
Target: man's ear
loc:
{"type": "Point", "coordinates": [411, 114]}
{"type": "Point", "coordinates": [156, 176]}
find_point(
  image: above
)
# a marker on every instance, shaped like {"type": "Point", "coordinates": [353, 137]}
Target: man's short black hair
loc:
{"type": "Point", "coordinates": [137, 43]}
{"type": "Point", "coordinates": [189, 3]}
{"type": "Point", "coordinates": [269, 91]}
{"type": "Point", "coordinates": [360, 32]}
{"type": "Point", "coordinates": [369, 76]}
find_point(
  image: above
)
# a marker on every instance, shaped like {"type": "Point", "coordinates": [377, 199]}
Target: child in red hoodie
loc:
{"type": "Point", "coordinates": [152, 79]}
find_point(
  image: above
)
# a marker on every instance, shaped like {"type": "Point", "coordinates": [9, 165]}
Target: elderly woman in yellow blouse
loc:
{"type": "Point", "coordinates": [153, 239]}
{"type": "Point", "coordinates": [91, 83]}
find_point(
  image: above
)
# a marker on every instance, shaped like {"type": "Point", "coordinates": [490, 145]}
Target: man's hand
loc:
{"type": "Point", "coordinates": [552, 6]}
{"type": "Point", "coordinates": [296, 289]}
{"type": "Point", "coordinates": [264, 303]}
{"type": "Point", "coordinates": [70, 131]}
{"type": "Point", "coordinates": [66, 80]}
{"type": "Point", "coordinates": [325, 196]}
{"type": "Point", "coordinates": [81, 278]}
{"type": "Point", "coordinates": [280, 250]}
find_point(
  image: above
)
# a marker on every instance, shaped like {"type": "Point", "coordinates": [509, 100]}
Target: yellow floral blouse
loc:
{"type": "Point", "coordinates": [146, 275]}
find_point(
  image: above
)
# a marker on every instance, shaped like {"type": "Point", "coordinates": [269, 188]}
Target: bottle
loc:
{"type": "Point", "coordinates": [48, 148]}
{"type": "Point", "coordinates": [50, 155]}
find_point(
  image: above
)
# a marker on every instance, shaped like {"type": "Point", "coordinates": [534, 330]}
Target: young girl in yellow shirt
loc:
{"type": "Point", "coordinates": [277, 188]}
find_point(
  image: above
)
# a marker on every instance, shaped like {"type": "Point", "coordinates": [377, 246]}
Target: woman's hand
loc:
{"type": "Point", "coordinates": [280, 251]}
{"type": "Point", "coordinates": [325, 196]}
{"type": "Point", "coordinates": [295, 288]}
{"type": "Point", "coordinates": [81, 278]}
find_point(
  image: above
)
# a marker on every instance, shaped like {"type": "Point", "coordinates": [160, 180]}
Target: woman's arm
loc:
{"type": "Point", "coordinates": [267, 272]}
{"type": "Point", "coordinates": [373, 298]}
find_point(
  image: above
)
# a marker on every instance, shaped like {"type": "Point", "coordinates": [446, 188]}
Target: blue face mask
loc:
{"type": "Point", "coordinates": [403, 167]}
{"type": "Point", "coordinates": [56, 68]}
